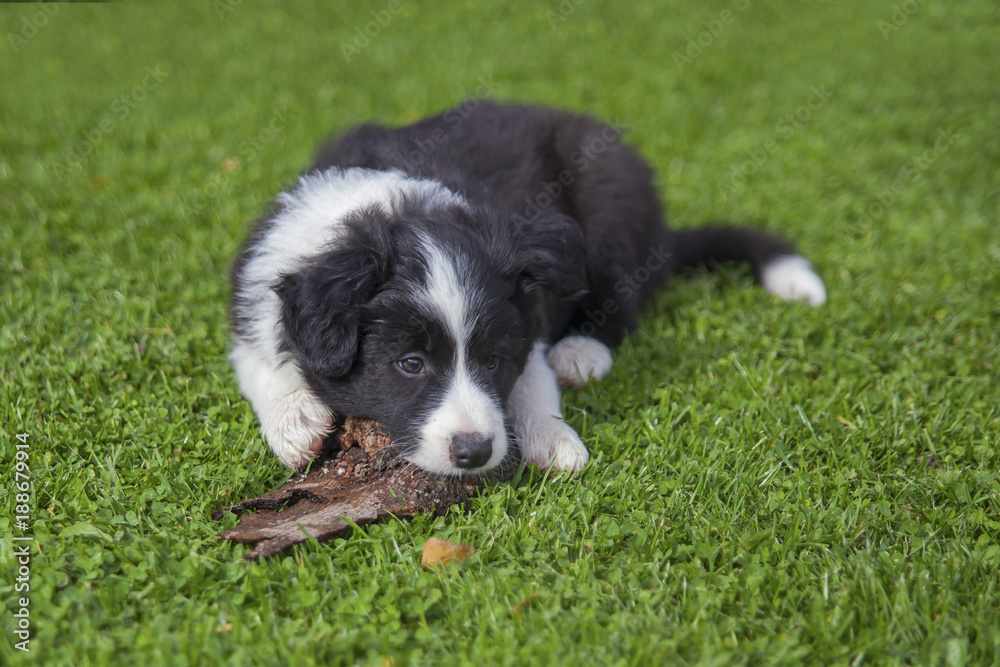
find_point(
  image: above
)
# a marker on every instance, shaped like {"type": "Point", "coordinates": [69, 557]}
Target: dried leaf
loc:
{"type": "Point", "coordinates": [846, 422]}
{"type": "Point", "coordinates": [439, 552]}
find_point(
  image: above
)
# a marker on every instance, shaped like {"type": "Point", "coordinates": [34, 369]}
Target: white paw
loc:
{"type": "Point", "coordinates": [555, 447]}
{"type": "Point", "coordinates": [295, 428]}
{"type": "Point", "coordinates": [579, 359]}
{"type": "Point", "coordinates": [791, 277]}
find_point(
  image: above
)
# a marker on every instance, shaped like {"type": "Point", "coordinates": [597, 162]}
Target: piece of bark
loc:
{"type": "Point", "coordinates": [361, 481]}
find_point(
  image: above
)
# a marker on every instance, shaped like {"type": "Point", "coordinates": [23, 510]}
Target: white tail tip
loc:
{"type": "Point", "coordinates": [791, 277]}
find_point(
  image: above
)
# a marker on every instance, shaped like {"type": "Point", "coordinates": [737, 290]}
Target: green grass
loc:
{"type": "Point", "coordinates": [769, 483]}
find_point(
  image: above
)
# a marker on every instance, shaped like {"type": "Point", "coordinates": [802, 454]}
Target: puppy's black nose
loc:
{"type": "Point", "coordinates": [471, 450]}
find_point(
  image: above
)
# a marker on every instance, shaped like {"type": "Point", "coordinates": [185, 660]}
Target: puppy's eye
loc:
{"type": "Point", "coordinates": [411, 365]}
{"type": "Point", "coordinates": [492, 362]}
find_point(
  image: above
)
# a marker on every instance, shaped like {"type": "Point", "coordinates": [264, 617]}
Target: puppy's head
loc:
{"type": "Point", "coordinates": [423, 320]}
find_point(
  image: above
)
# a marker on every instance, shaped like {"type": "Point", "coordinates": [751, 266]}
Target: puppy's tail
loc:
{"type": "Point", "coordinates": [771, 258]}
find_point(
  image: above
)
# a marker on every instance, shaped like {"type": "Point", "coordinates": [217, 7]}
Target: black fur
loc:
{"type": "Point", "coordinates": [530, 163]}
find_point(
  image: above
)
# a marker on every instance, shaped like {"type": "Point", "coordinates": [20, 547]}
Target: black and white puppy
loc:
{"type": "Point", "coordinates": [445, 278]}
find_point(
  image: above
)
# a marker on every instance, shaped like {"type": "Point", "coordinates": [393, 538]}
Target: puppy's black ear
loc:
{"type": "Point", "coordinates": [548, 250]}
{"type": "Point", "coordinates": [321, 307]}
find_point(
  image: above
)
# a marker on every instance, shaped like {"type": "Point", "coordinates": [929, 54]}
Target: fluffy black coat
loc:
{"type": "Point", "coordinates": [533, 164]}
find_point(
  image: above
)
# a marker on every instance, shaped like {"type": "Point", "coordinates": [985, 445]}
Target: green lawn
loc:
{"type": "Point", "coordinates": [769, 483]}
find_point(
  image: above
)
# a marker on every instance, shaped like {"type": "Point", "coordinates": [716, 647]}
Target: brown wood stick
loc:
{"type": "Point", "coordinates": [360, 483]}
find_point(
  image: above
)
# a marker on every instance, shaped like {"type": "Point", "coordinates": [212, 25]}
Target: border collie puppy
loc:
{"type": "Point", "coordinates": [445, 278]}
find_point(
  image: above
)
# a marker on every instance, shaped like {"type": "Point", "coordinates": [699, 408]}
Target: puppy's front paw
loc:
{"type": "Point", "coordinates": [579, 359]}
{"type": "Point", "coordinates": [296, 428]}
{"type": "Point", "coordinates": [555, 447]}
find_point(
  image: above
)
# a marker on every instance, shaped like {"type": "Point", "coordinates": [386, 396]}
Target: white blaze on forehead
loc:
{"type": "Point", "coordinates": [465, 408]}
{"type": "Point", "coordinates": [445, 293]}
